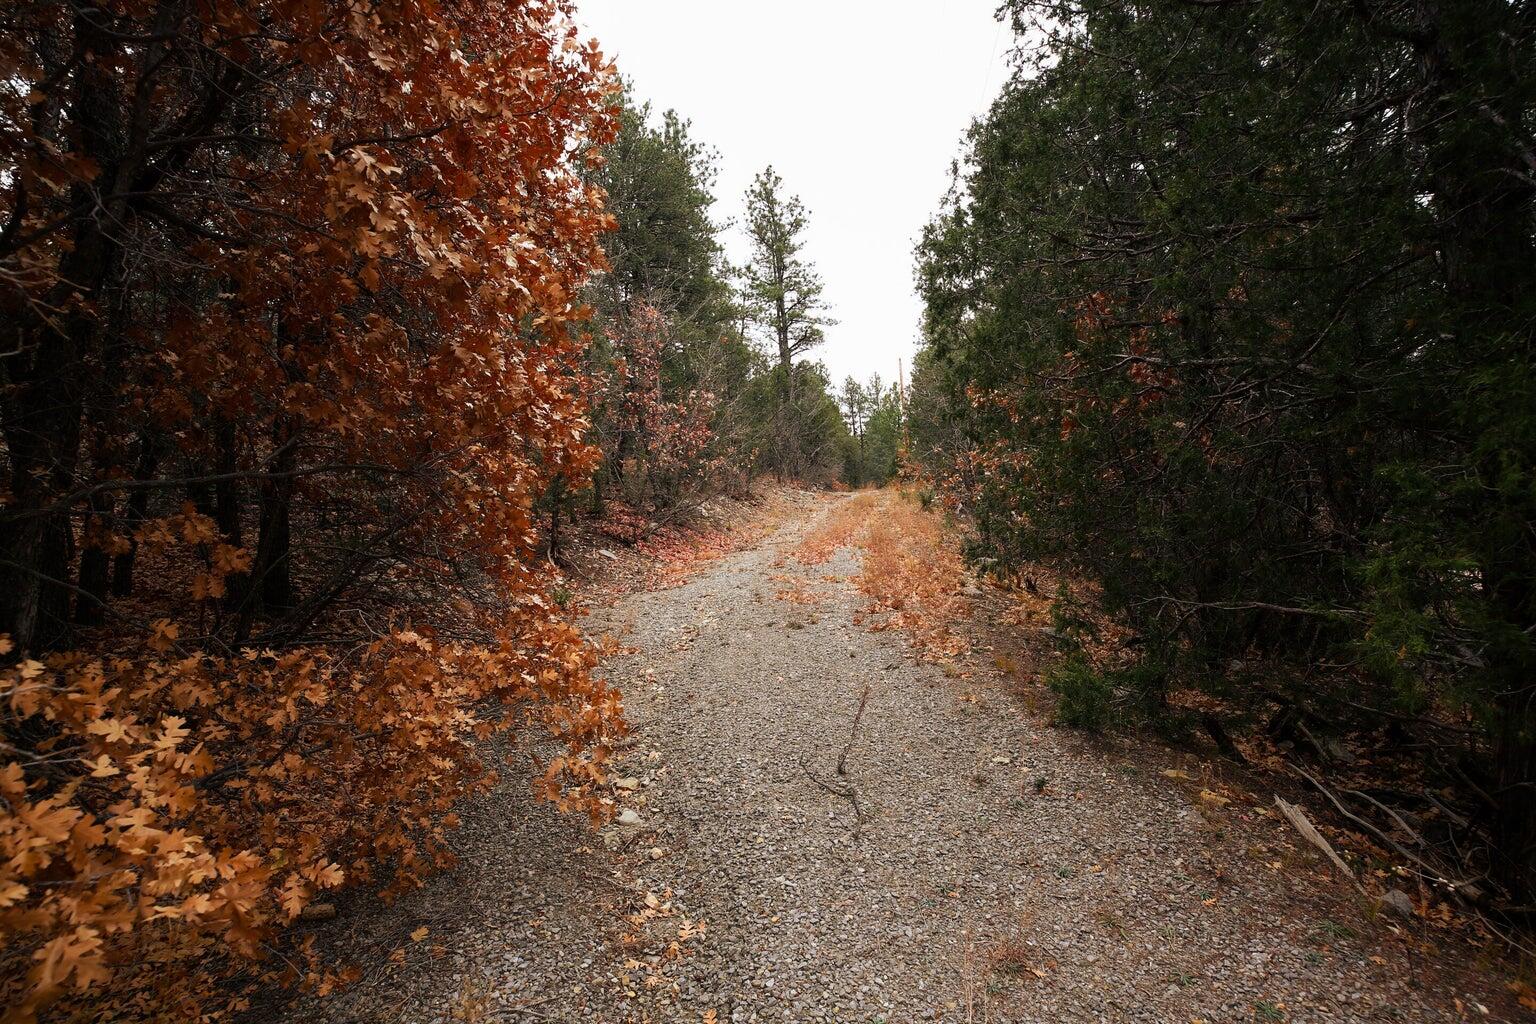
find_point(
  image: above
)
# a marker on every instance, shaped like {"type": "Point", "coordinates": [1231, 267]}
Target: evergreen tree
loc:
{"type": "Point", "coordinates": [873, 415]}
{"type": "Point", "coordinates": [1235, 304]}
{"type": "Point", "coordinates": [666, 335]}
{"type": "Point", "coordinates": [783, 297]}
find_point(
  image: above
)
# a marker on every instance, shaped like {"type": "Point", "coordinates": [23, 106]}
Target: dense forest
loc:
{"type": "Point", "coordinates": [1231, 312]}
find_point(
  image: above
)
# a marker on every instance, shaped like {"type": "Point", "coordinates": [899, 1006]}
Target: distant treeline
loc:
{"type": "Point", "coordinates": [703, 380]}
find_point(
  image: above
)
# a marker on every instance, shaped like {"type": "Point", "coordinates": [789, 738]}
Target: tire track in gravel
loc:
{"type": "Point", "coordinates": [969, 893]}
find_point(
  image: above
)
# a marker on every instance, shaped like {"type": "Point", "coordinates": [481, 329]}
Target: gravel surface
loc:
{"type": "Point", "coordinates": [993, 868]}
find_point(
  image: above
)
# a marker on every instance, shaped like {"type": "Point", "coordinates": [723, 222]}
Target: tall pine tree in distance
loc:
{"type": "Point", "coordinates": [782, 290]}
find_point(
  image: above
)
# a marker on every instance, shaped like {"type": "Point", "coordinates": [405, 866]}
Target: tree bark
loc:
{"type": "Point", "coordinates": [226, 493]}
{"type": "Point", "coordinates": [95, 564]}
{"type": "Point", "coordinates": [43, 408]}
{"type": "Point", "coordinates": [1474, 133]}
{"type": "Point", "coordinates": [274, 544]}
{"type": "Point", "coordinates": [137, 507]}
{"type": "Point", "coordinates": [269, 586]}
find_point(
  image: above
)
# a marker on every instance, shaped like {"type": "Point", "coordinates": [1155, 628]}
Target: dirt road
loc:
{"type": "Point", "coordinates": [970, 863]}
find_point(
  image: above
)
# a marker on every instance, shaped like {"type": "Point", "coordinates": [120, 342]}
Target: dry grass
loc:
{"type": "Point", "coordinates": [1011, 955]}
{"type": "Point", "coordinates": [912, 570]}
{"type": "Point", "coordinates": [838, 529]}
{"type": "Point", "coordinates": [677, 554]}
{"type": "Point", "coordinates": [914, 574]}
{"type": "Point", "coordinates": [993, 969]}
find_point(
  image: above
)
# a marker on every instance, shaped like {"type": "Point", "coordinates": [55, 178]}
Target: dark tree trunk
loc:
{"type": "Point", "coordinates": [269, 586]}
{"type": "Point", "coordinates": [1473, 135]}
{"type": "Point", "coordinates": [95, 564]}
{"type": "Point", "coordinates": [200, 493]}
{"type": "Point", "coordinates": [226, 493]}
{"type": "Point", "coordinates": [273, 567]}
{"type": "Point", "coordinates": [137, 507]}
{"type": "Point", "coordinates": [35, 548]}
{"type": "Point", "coordinates": [43, 408]}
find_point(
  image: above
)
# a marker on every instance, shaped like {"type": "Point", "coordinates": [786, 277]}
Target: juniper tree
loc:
{"type": "Point", "coordinates": [1236, 303]}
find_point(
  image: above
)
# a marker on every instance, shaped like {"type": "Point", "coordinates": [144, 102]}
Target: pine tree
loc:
{"type": "Point", "coordinates": [783, 294]}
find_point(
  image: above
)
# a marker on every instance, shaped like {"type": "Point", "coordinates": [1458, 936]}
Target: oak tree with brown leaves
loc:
{"type": "Point", "coordinates": [291, 345]}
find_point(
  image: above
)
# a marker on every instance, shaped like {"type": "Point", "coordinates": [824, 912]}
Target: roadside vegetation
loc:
{"type": "Point", "coordinates": [330, 329]}
{"type": "Point", "coordinates": [324, 328]}
{"type": "Point", "coordinates": [1229, 315]}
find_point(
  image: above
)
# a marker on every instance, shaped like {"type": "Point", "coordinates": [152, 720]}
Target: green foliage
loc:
{"type": "Point", "coordinates": [1231, 313]}
{"type": "Point", "coordinates": [667, 363]}
{"type": "Point", "coordinates": [872, 412]}
{"type": "Point", "coordinates": [1263, 1010]}
{"type": "Point", "coordinates": [1097, 700]}
{"type": "Point", "coordinates": [659, 181]}
{"type": "Point", "coordinates": [1086, 698]}
{"type": "Point", "coordinates": [782, 290]}
{"type": "Point", "coordinates": [782, 300]}
{"type": "Point", "coordinates": [693, 402]}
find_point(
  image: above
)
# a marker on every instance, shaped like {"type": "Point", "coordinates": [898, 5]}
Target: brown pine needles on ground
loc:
{"type": "Point", "coordinates": [838, 529]}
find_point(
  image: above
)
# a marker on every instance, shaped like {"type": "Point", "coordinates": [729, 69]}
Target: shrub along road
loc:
{"type": "Point", "coordinates": [968, 861]}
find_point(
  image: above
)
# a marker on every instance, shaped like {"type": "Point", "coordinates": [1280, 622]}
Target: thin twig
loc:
{"type": "Point", "coordinates": [853, 733]}
{"type": "Point", "coordinates": [847, 791]}
{"type": "Point", "coordinates": [528, 1008]}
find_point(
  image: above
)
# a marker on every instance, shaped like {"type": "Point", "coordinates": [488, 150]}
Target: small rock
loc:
{"type": "Point", "coordinates": [629, 817]}
{"type": "Point", "coordinates": [1399, 903]}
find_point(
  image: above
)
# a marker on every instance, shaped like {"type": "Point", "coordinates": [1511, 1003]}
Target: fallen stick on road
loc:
{"type": "Point", "coordinates": [846, 791]}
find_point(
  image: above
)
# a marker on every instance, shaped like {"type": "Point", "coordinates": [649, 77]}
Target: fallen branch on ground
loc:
{"type": "Point", "coordinates": [1466, 889]}
{"type": "Point", "coordinates": [847, 791]}
{"type": "Point", "coordinates": [853, 733]}
{"type": "Point", "coordinates": [1298, 818]}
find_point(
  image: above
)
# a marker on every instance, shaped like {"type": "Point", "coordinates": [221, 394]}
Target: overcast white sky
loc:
{"type": "Point", "coordinates": [859, 105]}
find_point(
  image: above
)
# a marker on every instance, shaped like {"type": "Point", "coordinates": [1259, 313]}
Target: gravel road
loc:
{"type": "Point", "coordinates": [971, 864]}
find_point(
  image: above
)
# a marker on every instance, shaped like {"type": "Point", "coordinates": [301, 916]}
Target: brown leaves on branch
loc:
{"type": "Point", "coordinates": [194, 799]}
{"type": "Point", "coordinates": [313, 266]}
{"type": "Point", "coordinates": [670, 443]}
